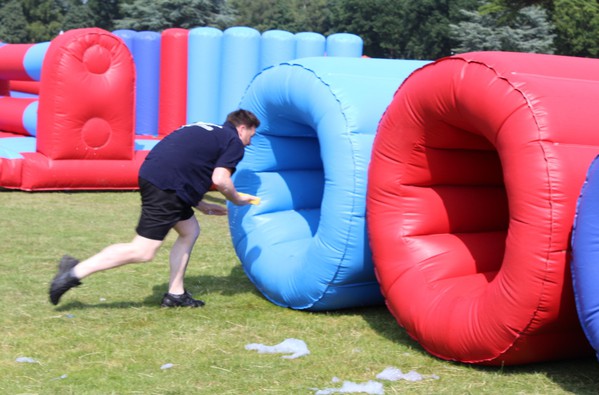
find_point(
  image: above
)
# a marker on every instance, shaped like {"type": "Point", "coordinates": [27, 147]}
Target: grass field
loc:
{"type": "Point", "coordinates": [109, 336]}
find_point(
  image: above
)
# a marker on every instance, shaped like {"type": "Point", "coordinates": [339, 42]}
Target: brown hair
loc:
{"type": "Point", "coordinates": [243, 117]}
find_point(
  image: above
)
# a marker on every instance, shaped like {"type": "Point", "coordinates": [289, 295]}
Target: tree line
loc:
{"type": "Point", "coordinates": [423, 29]}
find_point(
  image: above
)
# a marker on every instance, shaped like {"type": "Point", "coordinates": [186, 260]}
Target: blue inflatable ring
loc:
{"type": "Point", "coordinates": [585, 256]}
{"type": "Point", "coordinates": [305, 245]}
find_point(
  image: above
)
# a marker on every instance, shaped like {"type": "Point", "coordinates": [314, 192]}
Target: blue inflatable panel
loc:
{"type": "Point", "coordinates": [127, 35]}
{"type": "Point", "coordinates": [305, 245]}
{"type": "Point", "coordinates": [277, 46]}
{"type": "Point", "coordinates": [585, 256]}
{"type": "Point", "coordinates": [23, 95]}
{"type": "Point", "coordinates": [344, 44]}
{"type": "Point", "coordinates": [32, 62]}
{"type": "Point", "coordinates": [146, 54]}
{"type": "Point", "coordinates": [30, 118]}
{"type": "Point", "coordinates": [204, 75]}
{"type": "Point", "coordinates": [308, 44]}
{"type": "Point", "coordinates": [13, 147]}
{"type": "Point", "coordinates": [145, 144]}
{"type": "Point", "coordinates": [239, 64]}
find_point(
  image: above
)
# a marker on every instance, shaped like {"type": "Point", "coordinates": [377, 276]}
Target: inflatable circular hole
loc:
{"type": "Point", "coordinates": [96, 132]}
{"type": "Point", "coordinates": [469, 204]}
{"type": "Point", "coordinates": [96, 59]}
{"type": "Point", "coordinates": [304, 246]}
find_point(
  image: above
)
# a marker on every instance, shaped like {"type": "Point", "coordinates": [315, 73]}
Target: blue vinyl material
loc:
{"type": "Point", "coordinates": [585, 256]}
{"type": "Point", "coordinates": [305, 245]}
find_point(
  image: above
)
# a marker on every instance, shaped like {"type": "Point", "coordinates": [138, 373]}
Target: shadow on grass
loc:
{"type": "Point", "coordinates": [381, 320]}
{"type": "Point", "coordinates": [232, 284]}
{"type": "Point", "coordinates": [578, 376]}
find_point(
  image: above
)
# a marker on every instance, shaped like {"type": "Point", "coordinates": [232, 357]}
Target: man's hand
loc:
{"type": "Point", "coordinates": [253, 199]}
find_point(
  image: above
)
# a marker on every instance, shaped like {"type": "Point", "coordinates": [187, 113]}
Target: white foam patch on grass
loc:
{"type": "Point", "coordinates": [297, 348]}
{"type": "Point", "coordinates": [25, 360]}
{"type": "Point", "coordinates": [374, 387]}
{"type": "Point", "coordinates": [348, 387]}
{"type": "Point", "coordinates": [395, 374]}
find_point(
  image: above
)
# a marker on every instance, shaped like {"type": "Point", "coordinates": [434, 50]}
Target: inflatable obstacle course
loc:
{"type": "Point", "coordinates": [475, 171]}
{"type": "Point", "coordinates": [21, 64]}
{"type": "Point", "coordinates": [305, 245]}
{"type": "Point", "coordinates": [80, 133]}
{"type": "Point", "coordinates": [88, 123]}
{"type": "Point", "coordinates": [200, 74]}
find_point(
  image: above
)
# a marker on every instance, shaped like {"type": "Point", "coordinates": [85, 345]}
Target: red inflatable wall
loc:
{"type": "Point", "coordinates": [173, 80]}
{"type": "Point", "coordinates": [86, 106]}
{"type": "Point", "coordinates": [11, 114]}
{"type": "Point", "coordinates": [32, 87]}
{"type": "Point", "coordinates": [85, 136]}
{"type": "Point", "coordinates": [11, 67]}
{"type": "Point", "coordinates": [473, 182]}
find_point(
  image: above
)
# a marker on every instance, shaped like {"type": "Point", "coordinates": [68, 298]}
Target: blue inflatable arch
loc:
{"type": "Point", "coordinates": [585, 256]}
{"type": "Point", "coordinates": [305, 245]}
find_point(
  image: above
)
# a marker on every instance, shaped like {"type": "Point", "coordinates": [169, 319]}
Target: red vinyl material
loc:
{"type": "Point", "coordinates": [475, 171]}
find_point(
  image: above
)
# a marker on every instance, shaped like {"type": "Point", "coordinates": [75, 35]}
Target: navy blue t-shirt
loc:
{"type": "Point", "coordinates": [184, 160]}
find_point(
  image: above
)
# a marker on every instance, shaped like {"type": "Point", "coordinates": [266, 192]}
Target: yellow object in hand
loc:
{"type": "Point", "coordinates": [254, 201]}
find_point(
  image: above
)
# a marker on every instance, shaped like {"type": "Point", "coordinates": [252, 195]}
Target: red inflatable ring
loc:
{"type": "Point", "coordinates": [475, 172]}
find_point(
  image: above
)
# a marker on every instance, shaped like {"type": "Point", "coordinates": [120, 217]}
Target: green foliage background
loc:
{"type": "Point", "coordinates": [424, 29]}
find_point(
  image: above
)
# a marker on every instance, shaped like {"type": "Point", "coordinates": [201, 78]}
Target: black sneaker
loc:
{"type": "Point", "coordinates": [64, 280]}
{"type": "Point", "coordinates": [185, 300]}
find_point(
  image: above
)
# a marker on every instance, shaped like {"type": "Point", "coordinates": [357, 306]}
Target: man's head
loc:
{"type": "Point", "coordinates": [245, 122]}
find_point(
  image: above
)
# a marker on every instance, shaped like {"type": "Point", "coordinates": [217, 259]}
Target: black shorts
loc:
{"type": "Point", "coordinates": [160, 211]}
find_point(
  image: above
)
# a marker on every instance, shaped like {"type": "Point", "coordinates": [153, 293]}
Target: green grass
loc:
{"type": "Point", "coordinates": [110, 337]}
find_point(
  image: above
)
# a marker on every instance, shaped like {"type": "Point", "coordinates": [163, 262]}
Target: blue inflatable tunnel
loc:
{"type": "Point", "coordinates": [305, 246]}
{"type": "Point", "coordinates": [585, 256]}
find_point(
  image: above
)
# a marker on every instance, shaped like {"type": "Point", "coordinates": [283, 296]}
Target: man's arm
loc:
{"type": "Point", "coordinates": [221, 178]}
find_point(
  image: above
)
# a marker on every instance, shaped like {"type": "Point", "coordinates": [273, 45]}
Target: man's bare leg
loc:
{"type": "Point", "coordinates": [70, 271]}
{"type": "Point", "coordinates": [140, 249]}
{"type": "Point", "coordinates": [188, 231]}
{"type": "Point", "coordinates": [177, 296]}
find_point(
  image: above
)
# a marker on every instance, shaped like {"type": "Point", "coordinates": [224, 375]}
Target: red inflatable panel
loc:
{"type": "Point", "coordinates": [42, 174]}
{"type": "Point", "coordinates": [86, 104]}
{"type": "Point", "coordinates": [475, 172]}
{"type": "Point", "coordinates": [10, 173]}
{"type": "Point", "coordinates": [4, 88]}
{"type": "Point", "coordinates": [25, 86]}
{"type": "Point", "coordinates": [11, 67]}
{"type": "Point", "coordinates": [11, 114]}
{"type": "Point", "coordinates": [173, 80]}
